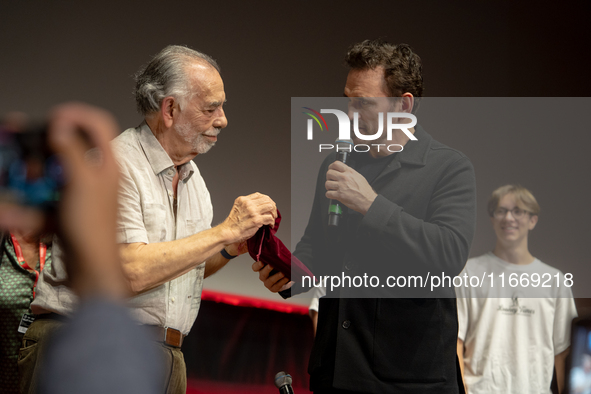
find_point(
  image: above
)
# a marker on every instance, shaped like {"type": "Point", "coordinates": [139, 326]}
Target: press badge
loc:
{"type": "Point", "coordinates": [26, 322]}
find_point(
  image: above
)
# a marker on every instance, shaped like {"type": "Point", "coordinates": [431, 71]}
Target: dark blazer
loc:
{"type": "Point", "coordinates": [422, 222]}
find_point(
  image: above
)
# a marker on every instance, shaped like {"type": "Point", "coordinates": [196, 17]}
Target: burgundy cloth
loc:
{"type": "Point", "coordinates": [266, 247]}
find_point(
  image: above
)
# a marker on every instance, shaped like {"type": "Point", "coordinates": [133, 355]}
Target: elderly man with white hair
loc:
{"type": "Point", "coordinates": [164, 220]}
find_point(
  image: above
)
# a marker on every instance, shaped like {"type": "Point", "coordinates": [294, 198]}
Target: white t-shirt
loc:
{"type": "Point", "coordinates": [510, 343]}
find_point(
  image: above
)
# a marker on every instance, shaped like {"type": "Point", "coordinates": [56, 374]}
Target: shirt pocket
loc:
{"type": "Point", "coordinates": [155, 222]}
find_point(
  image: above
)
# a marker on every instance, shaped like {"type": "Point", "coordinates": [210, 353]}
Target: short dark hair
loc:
{"type": "Point", "coordinates": [402, 67]}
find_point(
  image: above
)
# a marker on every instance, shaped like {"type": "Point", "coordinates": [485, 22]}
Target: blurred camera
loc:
{"type": "Point", "coordinates": [30, 173]}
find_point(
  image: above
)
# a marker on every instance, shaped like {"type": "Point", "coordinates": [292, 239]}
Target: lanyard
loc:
{"type": "Point", "coordinates": [21, 259]}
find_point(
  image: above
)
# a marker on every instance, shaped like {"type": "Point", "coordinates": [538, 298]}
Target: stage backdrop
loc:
{"type": "Point", "coordinates": [53, 51]}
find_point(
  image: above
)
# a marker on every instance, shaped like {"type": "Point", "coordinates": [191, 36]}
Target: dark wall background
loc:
{"type": "Point", "coordinates": [53, 51]}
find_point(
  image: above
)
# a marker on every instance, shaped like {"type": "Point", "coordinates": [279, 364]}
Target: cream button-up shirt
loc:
{"type": "Point", "coordinates": [146, 214]}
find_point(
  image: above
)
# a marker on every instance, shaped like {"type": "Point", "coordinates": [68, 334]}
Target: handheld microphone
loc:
{"type": "Point", "coordinates": [283, 383]}
{"type": "Point", "coordinates": [335, 210]}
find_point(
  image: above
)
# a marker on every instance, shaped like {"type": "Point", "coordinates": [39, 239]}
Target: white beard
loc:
{"type": "Point", "coordinates": [198, 142]}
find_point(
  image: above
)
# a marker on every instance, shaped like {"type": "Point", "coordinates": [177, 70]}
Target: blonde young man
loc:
{"type": "Point", "coordinates": [508, 343]}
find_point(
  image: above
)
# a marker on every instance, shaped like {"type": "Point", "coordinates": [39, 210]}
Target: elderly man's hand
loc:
{"type": "Point", "coordinates": [276, 282]}
{"type": "Point", "coordinates": [248, 215]}
{"type": "Point", "coordinates": [349, 187]}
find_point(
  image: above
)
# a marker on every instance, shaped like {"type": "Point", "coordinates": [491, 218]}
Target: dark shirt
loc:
{"type": "Point", "coordinates": [16, 295]}
{"type": "Point", "coordinates": [368, 166]}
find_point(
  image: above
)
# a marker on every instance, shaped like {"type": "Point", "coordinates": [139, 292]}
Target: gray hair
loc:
{"type": "Point", "coordinates": [165, 76]}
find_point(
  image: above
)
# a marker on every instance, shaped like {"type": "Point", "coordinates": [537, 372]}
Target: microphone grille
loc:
{"type": "Point", "coordinates": [344, 144]}
{"type": "Point", "coordinates": [282, 379]}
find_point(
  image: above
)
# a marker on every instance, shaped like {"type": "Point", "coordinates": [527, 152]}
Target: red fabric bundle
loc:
{"type": "Point", "coordinates": [266, 247]}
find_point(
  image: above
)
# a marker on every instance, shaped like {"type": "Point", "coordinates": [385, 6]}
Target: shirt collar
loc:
{"type": "Point", "coordinates": [157, 156]}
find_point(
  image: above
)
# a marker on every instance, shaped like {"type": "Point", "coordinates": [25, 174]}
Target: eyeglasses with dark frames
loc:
{"type": "Point", "coordinates": [517, 213]}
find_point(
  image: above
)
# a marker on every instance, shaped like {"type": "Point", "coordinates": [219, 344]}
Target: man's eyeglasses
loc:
{"type": "Point", "coordinates": [517, 213]}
